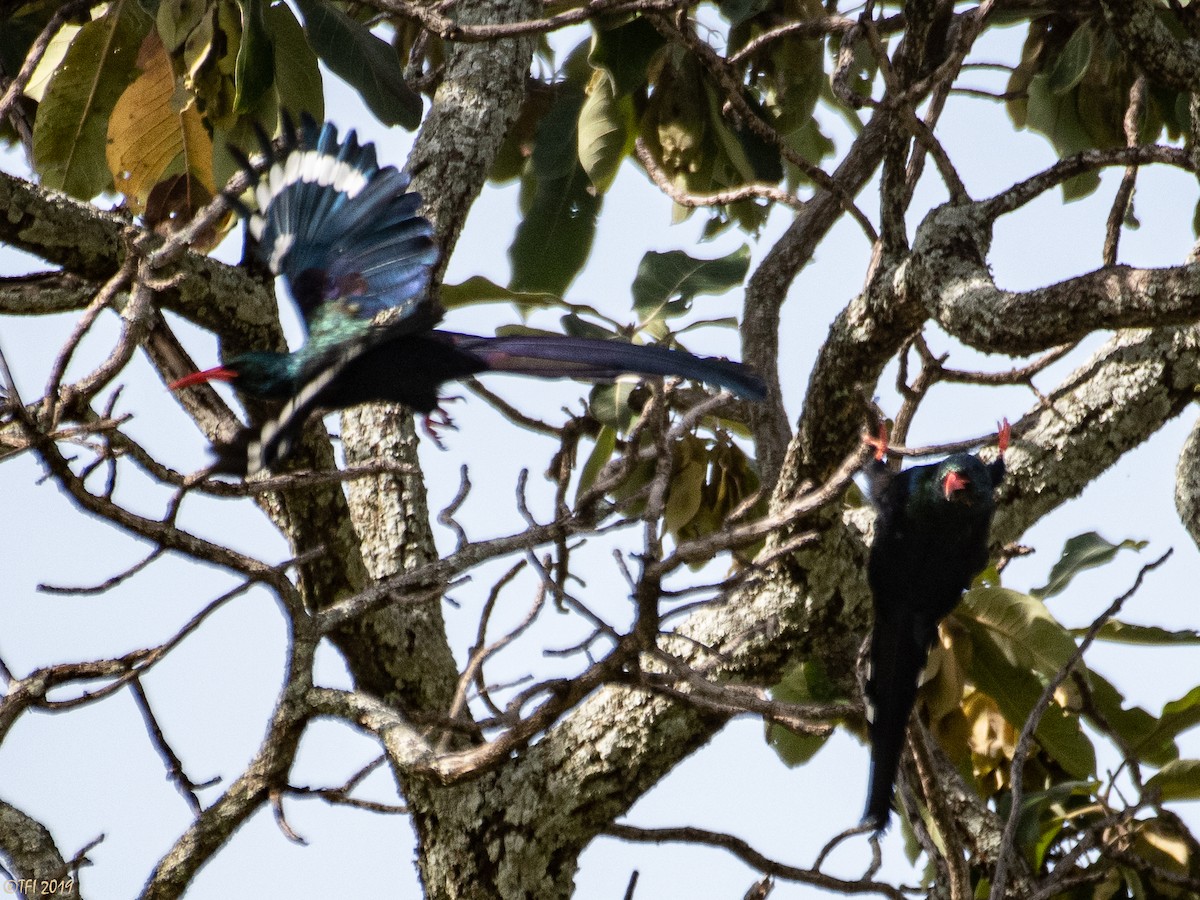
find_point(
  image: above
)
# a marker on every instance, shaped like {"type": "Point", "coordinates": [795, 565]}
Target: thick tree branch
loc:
{"type": "Point", "coordinates": [1187, 484]}
{"type": "Point", "coordinates": [402, 655]}
{"type": "Point", "coordinates": [90, 244]}
{"type": "Point", "coordinates": [1163, 54]}
{"type": "Point", "coordinates": [768, 287]}
{"type": "Point", "coordinates": [27, 844]}
{"type": "Point", "coordinates": [819, 606]}
{"type": "Point", "coordinates": [44, 293]}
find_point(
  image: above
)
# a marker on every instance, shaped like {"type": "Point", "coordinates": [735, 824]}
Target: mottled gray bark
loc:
{"type": "Point", "coordinates": [1187, 484]}
{"type": "Point", "coordinates": [401, 654]}
{"type": "Point", "coordinates": [38, 869]}
{"type": "Point", "coordinates": [1163, 54]}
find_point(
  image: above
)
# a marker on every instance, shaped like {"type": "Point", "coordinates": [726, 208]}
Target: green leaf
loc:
{"type": "Point", "coordinates": [605, 132]}
{"type": "Point", "coordinates": [50, 63]}
{"type": "Point", "coordinates": [1134, 726]}
{"type": "Point", "coordinates": [1037, 824]}
{"type": "Point", "coordinates": [478, 289]}
{"type": "Point", "coordinates": [1022, 627]}
{"type": "Point", "coordinates": [255, 70]}
{"type": "Point", "coordinates": [70, 133]}
{"type": "Point", "coordinates": [1177, 780]}
{"type": "Point", "coordinates": [1177, 717]}
{"type": "Point", "coordinates": [576, 326]}
{"type": "Point", "coordinates": [1082, 552]}
{"type": "Point", "coordinates": [752, 157]}
{"type": "Point", "coordinates": [807, 682]}
{"type": "Point", "coordinates": [625, 52]}
{"type": "Point", "coordinates": [1057, 117]}
{"type": "Point", "coordinates": [666, 282]}
{"type": "Point", "coordinates": [811, 143]}
{"type": "Point", "coordinates": [513, 156]}
{"type": "Point", "coordinates": [241, 134]}
{"type": "Point", "coordinates": [1072, 63]}
{"type": "Point", "coordinates": [791, 80]}
{"type": "Point", "coordinates": [738, 11]}
{"type": "Point", "coordinates": [175, 20]}
{"type": "Point", "coordinates": [1016, 689]}
{"type": "Point", "coordinates": [364, 61]}
{"type": "Point", "coordinates": [727, 140]}
{"type": "Point", "coordinates": [793, 748]}
{"type": "Point", "coordinates": [606, 443]}
{"type": "Point", "coordinates": [719, 322]}
{"type": "Point", "coordinates": [297, 76]}
{"type": "Point", "coordinates": [555, 237]}
{"type": "Point", "coordinates": [609, 403]}
{"type": "Point", "coordinates": [685, 495]}
{"type": "Point", "coordinates": [1142, 635]}
{"type": "Point", "coordinates": [207, 65]}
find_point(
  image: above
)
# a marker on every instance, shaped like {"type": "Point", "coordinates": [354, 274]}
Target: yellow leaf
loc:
{"type": "Point", "coordinates": [1171, 846]}
{"type": "Point", "coordinates": [150, 133]}
{"type": "Point", "coordinates": [943, 681]}
{"type": "Point", "coordinates": [50, 62]}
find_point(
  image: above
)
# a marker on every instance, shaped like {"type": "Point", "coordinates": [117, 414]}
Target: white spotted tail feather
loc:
{"type": "Point", "coordinates": [336, 226]}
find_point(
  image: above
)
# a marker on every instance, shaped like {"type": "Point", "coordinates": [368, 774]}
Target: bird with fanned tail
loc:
{"type": "Point", "coordinates": [346, 236]}
{"type": "Point", "coordinates": [931, 540]}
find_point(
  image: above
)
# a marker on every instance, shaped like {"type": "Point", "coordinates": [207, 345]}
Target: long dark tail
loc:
{"type": "Point", "coordinates": [561, 356]}
{"type": "Point", "coordinates": [897, 658]}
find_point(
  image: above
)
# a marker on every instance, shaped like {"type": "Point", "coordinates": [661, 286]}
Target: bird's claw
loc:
{"type": "Point", "coordinates": [1003, 435]}
{"type": "Point", "coordinates": [439, 418]}
{"type": "Point", "coordinates": [879, 442]}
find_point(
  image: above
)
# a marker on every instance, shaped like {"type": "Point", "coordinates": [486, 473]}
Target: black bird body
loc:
{"type": "Point", "coordinates": [410, 369]}
{"type": "Point", "coordinates": [931, 540]}
{"type": "Point", "coordinates": [346, 237]}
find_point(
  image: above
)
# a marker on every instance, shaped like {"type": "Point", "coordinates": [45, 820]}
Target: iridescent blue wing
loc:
{"type": "Point", "coordinates": [343, 232]}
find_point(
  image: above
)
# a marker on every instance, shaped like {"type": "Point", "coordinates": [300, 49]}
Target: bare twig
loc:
{"type": "Point", "coordinates": [1124, 195]}
{"type": "Point", "coordinates": [446, 516]}
{"type": "Point", "coordinates": [753, 858]}
{"type": "Point", "coordinates": [109, 583]}
{"type": "Point", "coordinates": [174, 764]}
{"type": "Point", "coordinates": [714, 198]}
{"type": "Point", "coordinates": [481, 652]}
{"type": "Point", "coordinates": [1023, 192]}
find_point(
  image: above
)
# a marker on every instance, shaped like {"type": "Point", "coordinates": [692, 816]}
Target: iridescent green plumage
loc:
{"type": "Point", "coordinates": [931, 540]}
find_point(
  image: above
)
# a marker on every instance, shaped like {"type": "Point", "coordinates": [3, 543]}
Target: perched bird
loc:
{"type": "Point", "coordinates": [345, 236]}
{"type": "Point", "coordinates": [931, 540]}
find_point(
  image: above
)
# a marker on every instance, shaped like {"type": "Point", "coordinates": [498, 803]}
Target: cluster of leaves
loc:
{"type": "Point", "coordinates": [1072, 85]}
{"type": "Point", "coordinates": [628, 83]}
{"type": "Point", "coordinates": [714, 475]}
{"type": "Point", "coordinates": [142, 98]}
{"type": "Point", "coordinates": [998, 651]}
